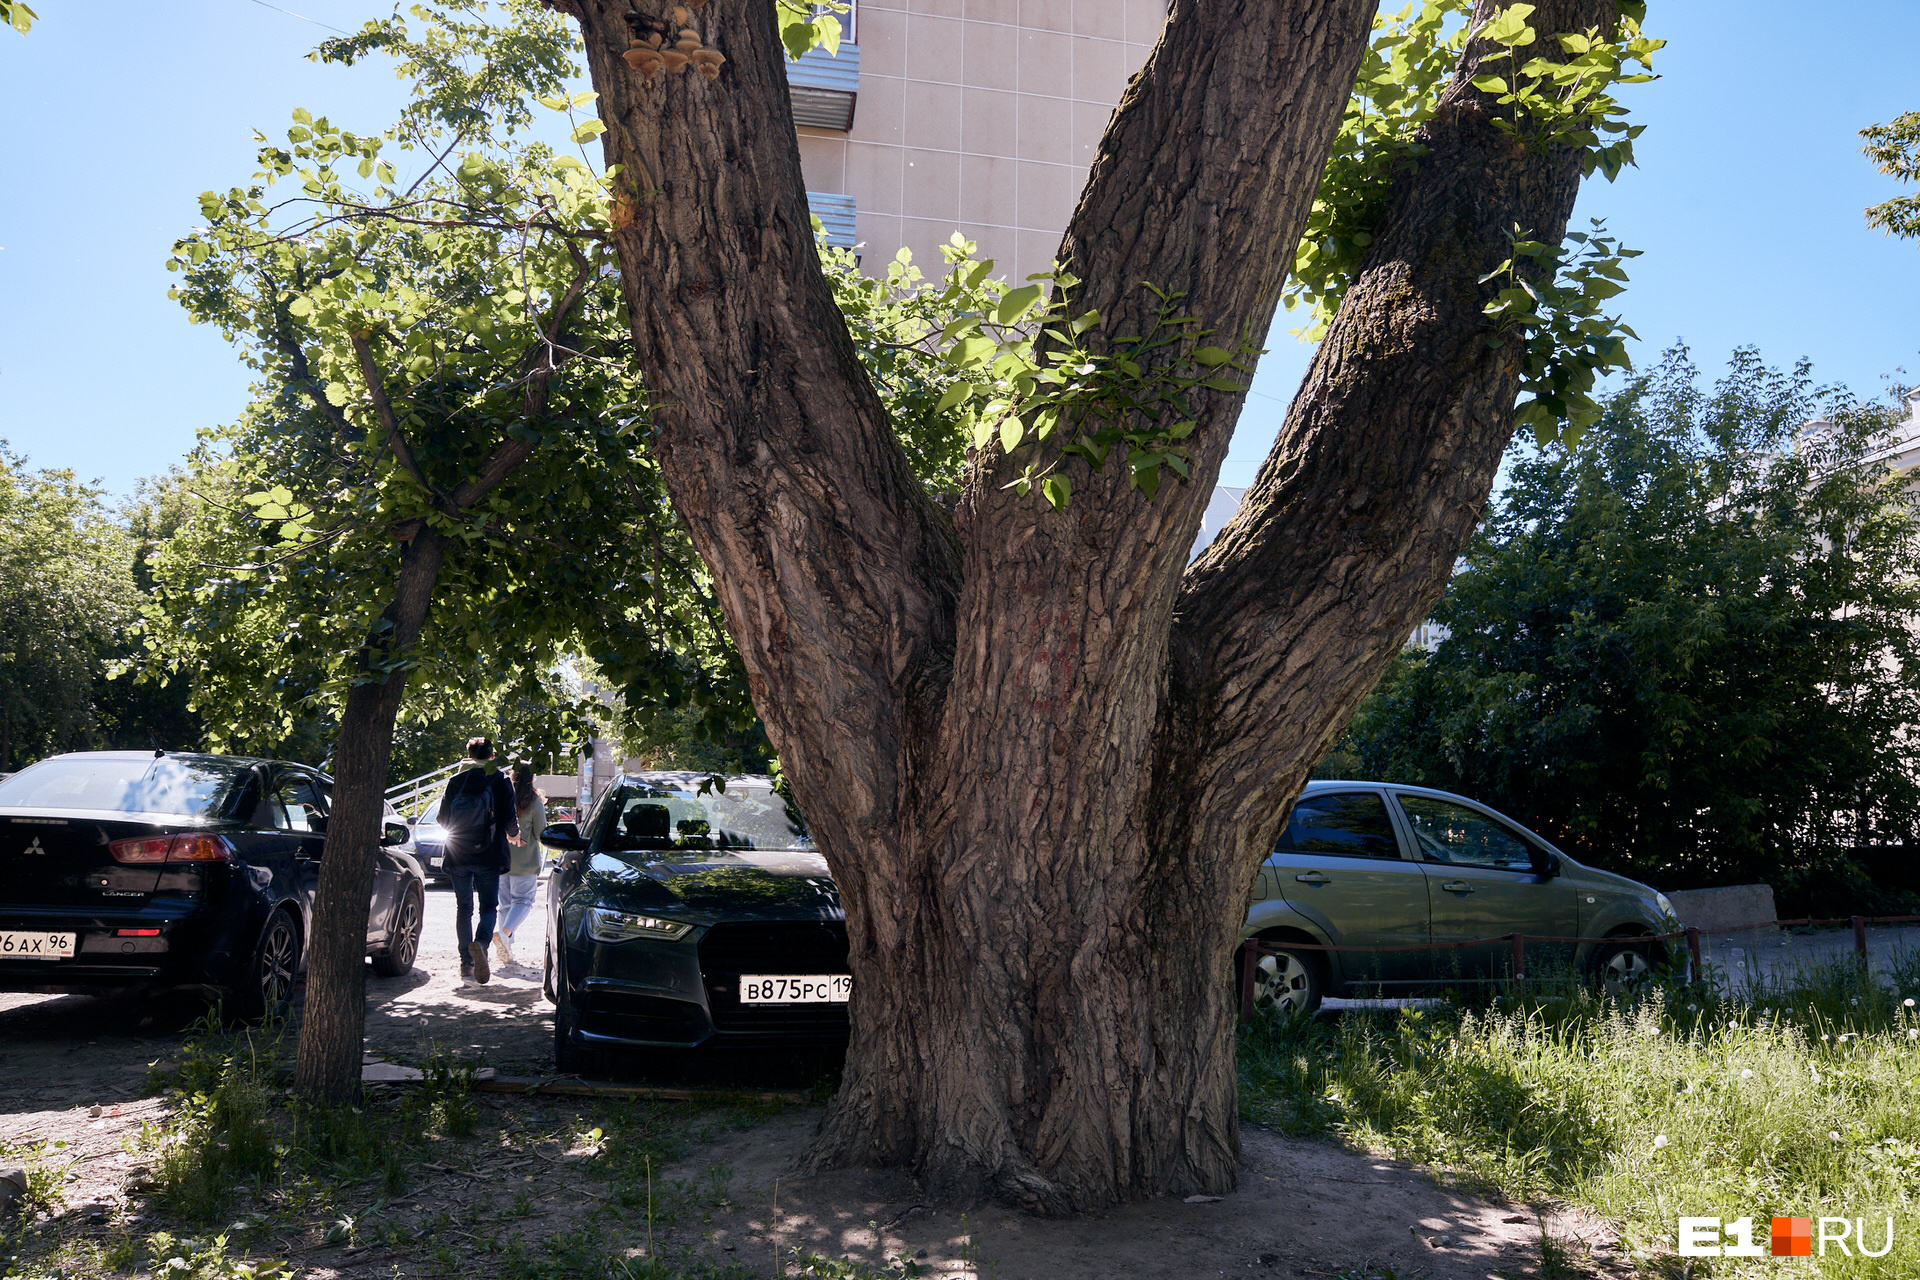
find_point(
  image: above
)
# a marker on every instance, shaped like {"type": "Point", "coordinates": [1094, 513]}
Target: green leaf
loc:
{"type": "Point", "coordinates": [1212, 356]}
{"type": "Point", "coordinates": [958, 393]}
{"type": "Point", "coordinates": [1057, 490]}
{"type": "Point", "coordinates": [588, 129]}
{"type": "Point", "coordinates": [971, 351]}
{"type": "Point", "coordinates": [1011, 432]}
{"type": "Point", "coordinates": [1016, 303]}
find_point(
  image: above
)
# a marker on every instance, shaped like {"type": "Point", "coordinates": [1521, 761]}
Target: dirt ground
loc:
{"type": "Point", "coordinates": [1304, 1208]}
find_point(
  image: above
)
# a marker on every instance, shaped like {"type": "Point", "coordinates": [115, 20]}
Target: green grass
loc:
{"type": "Point", "coordinates": [1802, 1099]}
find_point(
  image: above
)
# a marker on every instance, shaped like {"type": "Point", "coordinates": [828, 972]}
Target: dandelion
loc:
{"type": "Point", "coordinates": [1659, 1141]}
{"type": "Point", "coordinates": [1908, 1002]}
{"type": "Point", "coordinates": [1833, 1135]}
{"type": "Point", "coordinates": [1825, 1036]}
{"type": "Point", "coordinates": [1913, 1033]}
{"type": "Point", "coordinates": [1746, 1073]}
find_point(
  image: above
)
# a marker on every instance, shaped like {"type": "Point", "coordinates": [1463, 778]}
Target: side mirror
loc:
{"type": "Point", "coordinates": [1553, 865]}
{"type": "Point", "coordinates": [563, 836]}
{"type": "Point", "coordinates": [394, 833]}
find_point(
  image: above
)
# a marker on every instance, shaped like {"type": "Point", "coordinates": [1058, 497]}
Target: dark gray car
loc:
{"type": "Point", "coordinates": [1375, 865]}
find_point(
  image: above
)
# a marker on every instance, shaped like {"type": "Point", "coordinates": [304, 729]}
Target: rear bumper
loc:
{"type": "Point", "coordinates": [194, 948]}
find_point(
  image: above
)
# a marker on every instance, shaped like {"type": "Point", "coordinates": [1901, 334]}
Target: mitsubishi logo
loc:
{"type": "Point", "coordinates": [34, 847]}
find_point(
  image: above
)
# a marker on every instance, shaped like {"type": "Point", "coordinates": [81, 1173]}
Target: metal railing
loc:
{"type": "Point", "coordinates": [1251, 950]}
{"type": "Point", "coordinates": [412, 796]}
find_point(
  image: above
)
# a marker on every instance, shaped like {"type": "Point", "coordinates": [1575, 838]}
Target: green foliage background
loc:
{"type": "Point", "coordinates": [1683, 648]}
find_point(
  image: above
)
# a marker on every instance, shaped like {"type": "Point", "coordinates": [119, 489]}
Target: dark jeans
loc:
{"type": "Point", "coordinates": [467, 883]}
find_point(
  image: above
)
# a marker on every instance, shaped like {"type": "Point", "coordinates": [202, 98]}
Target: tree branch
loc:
{"type": "Point", "coordinates": [1379, 476]}
{"type": "Point", "coordinates": [376, 388]}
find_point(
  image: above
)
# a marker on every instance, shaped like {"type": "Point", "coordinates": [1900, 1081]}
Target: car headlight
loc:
{"type": "Point", "coordinates": [1666, 906]}
{"type": "Point", "coordinates": [620, 926]}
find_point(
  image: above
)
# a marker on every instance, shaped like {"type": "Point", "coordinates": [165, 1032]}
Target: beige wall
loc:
{"type": "Point", "coordinates": [981, 116]}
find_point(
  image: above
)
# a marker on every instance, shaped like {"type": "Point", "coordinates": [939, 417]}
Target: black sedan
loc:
{"type": "Point", "coordinates": [679, 920]}
{"type": "Point", "coordinates": [157, 870]}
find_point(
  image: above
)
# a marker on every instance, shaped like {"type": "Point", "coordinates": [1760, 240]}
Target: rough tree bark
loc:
{"type": "Point", "coordinates": [1042, 755]}
{"type": "Point", "coordinates": [333, 1024]}
{"type": "Point", "coordinates": [333, 1027]}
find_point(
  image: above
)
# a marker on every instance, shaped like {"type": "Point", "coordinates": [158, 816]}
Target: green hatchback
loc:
{"type": "Point", "coordinates": [1407, 873]}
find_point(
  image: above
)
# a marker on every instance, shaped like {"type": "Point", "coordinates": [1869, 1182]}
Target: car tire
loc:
{"type": "Point", "coordinates": [403, 941]}
{"type": "Point", "coordinates": [265, 988]}
{"type": "Point", "coordinates": [1621, 967]}
{"type": "Point", "coordinates": [1286, 982]}
{"type": "Point", "coordinates": [569, 1055]}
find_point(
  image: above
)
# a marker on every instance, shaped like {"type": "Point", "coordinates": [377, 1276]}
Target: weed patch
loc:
{"type": "Point", "coordinates": [1802, 1098]}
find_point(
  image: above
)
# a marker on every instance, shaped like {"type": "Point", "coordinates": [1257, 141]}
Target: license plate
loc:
{"type": "Point", "coordinates": [795, 988]}
{"type": "Point", "coordinates": [35, 946]}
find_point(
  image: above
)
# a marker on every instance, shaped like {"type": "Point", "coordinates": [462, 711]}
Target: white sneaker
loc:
{"type": "Point", "coordinates": [503, 950]}
{"type": "Point", "coordinates": [466, 980]}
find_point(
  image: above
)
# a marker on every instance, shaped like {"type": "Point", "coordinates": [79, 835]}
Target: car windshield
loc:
{"type": "Point", "coordinates": [745, 816]}
{"type": "Point", "coordinates": [119, 784]}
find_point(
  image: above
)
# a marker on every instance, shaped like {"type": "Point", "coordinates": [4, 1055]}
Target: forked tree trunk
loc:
{"type": "Point", "coordinates": [1043, 757]}
{"type": "Point", "coordinates": [333, 1028]}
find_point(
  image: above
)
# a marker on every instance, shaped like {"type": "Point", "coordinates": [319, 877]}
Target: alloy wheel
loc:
{"type": "Point", "coordinates": [1624, 970]}
{"type": "Point", "coordinates": [406, 942]}
{"type": "Point", "coordinates": [1283, 983]}
{"type": "Point", "coordinates": [279, 957]}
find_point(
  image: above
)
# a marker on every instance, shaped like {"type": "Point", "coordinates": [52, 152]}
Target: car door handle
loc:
{"type": "Point", "coordinates": [1313, 877]}
{"type": "Point", "coordinates": [1457, 886]}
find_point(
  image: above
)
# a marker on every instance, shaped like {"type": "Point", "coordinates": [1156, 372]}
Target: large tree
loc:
{"type": "Point", "coordinates": [1043, 755]}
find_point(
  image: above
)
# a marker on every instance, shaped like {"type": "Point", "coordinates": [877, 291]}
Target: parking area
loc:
{"type": "Point", "coordinates": [62, 1051]}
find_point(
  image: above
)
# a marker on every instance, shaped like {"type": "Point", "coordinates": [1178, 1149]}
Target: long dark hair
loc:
{"type": "Point", "coordinates": [524, 792]}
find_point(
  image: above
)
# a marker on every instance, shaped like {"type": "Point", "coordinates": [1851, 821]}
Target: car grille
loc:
{"type": "Point", "coordinates": [774, 946]}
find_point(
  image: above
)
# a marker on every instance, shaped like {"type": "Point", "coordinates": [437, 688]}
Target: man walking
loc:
{"type": "Point", "coordinates": [477, 813]}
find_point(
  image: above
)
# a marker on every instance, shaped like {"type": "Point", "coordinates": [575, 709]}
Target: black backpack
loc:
{"type": "Point", "coordinates": [466, 813]}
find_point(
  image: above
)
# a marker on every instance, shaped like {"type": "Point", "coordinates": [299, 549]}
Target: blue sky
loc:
{"type": "Point", "coordinates": [1747, 202]}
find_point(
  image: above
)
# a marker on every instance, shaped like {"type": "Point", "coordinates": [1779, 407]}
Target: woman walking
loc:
{"type": "Point", "coordinates": [522, 882]}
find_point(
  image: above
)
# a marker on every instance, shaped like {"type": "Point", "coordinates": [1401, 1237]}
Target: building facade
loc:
{"type": "Point", "coordinates": [981, 116]}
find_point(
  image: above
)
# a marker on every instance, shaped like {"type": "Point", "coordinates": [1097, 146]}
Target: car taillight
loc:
{"type": "Point", "coordinates": [172, 849]}
{"type": "Point", "coordinates": [136, 933]}
{"type": "Point", "coordinates": [200, 849]}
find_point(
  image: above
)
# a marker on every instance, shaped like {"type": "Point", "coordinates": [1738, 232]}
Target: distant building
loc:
{"type": "Point", "coordinates": [981, 116]}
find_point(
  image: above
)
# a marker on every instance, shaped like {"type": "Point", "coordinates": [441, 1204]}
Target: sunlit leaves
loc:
{"type": "Point", "coordinates": [1894, 150]}
{"type": "Point", "coordinates": [1560, 100]}
{"type": "Point", "coordinates": [1550, 303]}
{"type": "Point", "coordinates": [404, 334]}
{"type": "Point", "coordinates": [806, 24]}
{"type": "Point", "coordinates": [1021, 374]}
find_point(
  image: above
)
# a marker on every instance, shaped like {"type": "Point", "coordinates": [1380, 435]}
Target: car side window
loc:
{"type": "Point", "coordinates": [1351, 824]}
{"type": "Point", "coordinates": [1459, 836]}
{"type": "Point", "coordinates": [301, 803]}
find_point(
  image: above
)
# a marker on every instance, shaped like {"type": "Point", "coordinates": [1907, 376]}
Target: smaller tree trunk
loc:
{"type": "Point", "coordinates": [334, 1029]}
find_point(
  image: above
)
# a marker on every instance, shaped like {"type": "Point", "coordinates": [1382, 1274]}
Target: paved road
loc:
{"type": "Point", "coordinates": [1756, 957]}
